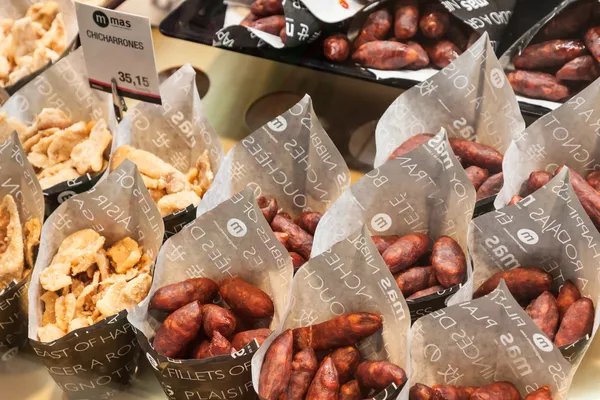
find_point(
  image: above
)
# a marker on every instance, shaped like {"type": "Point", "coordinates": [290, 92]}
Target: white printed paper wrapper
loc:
{"type": "Point", "coordinates": [290, 158]}
{"type": "Point", "coordinates": [64, 86]}
{"type": "Point", "coordinates": [425, 191]}
{"type": "Point", "coordinates": [549, 230]}
{"type": "Point", "coordinates": [232, 240]}
{"type": "Point", "coordinates": [486, 340]}
{"type": "Point", "coordinates": [347, 278]}
{"type": "Point", "coordinates": [470, 98]}
{"type": "Point", "coordinates": [19, 181]}
{"type": "Point", "coordinates": [565, 136]}
{"type": "Point", "coordinates": [177, 132]}
{"type": "Point", "coordinates": [522, 43]}
{"type": "Point", "coordinates": [15, 9]}
{"type": "Point", "coordinates": [301, 27]}
{"type": "Point", "coordinates": [100, 360]}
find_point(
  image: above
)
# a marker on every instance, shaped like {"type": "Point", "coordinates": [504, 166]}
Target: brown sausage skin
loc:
{"type": "Point", "coordinates": [554, 53]}
{"type": "Point", "coordinates": [304, 367]}
{"type": "Point", "coordinates": [218, 346]}
{"type": "Point", "coordinates": [376, 27]}
{"type": "Point", "coordinates": [345, 330]}
{"type": "Point", "coordinates": [477, 175]}
{"type": "Point", "coordinates": [268, 206]}
{"type": "Point", "coordinates": [542, 393]}
{"type": "Point", "coordinates": [336, 47]}
{"type": "Point", "coordinates": [299, 240]}
{"type": "Point", "coordinates": [582, 68]}
{"type": "Point", "coordinates": [297, 260]}
{"type": "Point", "coordinates": [422, 57]}
{"type": "Point", "coordinates": [406, 19]}
{"type": "Point", "coordinates": [378, 375]}
{"type": "Point", "coordinates": [246, 300]}
{"type": "Point", "coordinates": [415, 279]}
{"type": "Point", "coordinates": [242, 339]}
{"type": "Point", "coordinates": [425, 292]}
{"type": "Point", "coordinates": [384, 55]}
{"type": "Point", "coordinates": [273, 24]}
{"type": "Point", "coordinates": [420, 392]}
{"type": "Point", "coordinates": [172, 297]}
{"type": "Point", "coordinates": [449, 262]}
{"type": "Point", "coordinates": [592, 41]}
{"type": "Point", "coordinates": [538, 85]}
{"type": "Point", "coordinates": [544, 312]}
{"type": "Point", "coordinates": [588, 197]}
{"type": "Point", "coordinates": [325, 384]}
{"type": "Point", "coordinates": [346, 360]}
{"type": "Point", "coordinates": [491, 186]}
{"type": "Point", "coordinates": [452, 392]}
{"type": "Point", "coordinates": [514, 200]}
{"type": "Point", "coordinates": [537, 179]}
{"type": "Point", "coordinates": [178, 329]}
{"type": "Point", "coordinates": [577, 322]}
{"type": "Point", "coordinates": [442, 53]}
{"type": "Point", "coordinates": [249, 19]}
{"type": "Point", "coordinates": [308, 221]}
{"type": "Point", "coordinates": [277, 367]}
{"type": "Point", "coordinates": [567, 295]}
{"type": "Point", "coordinates": [217, 319]}
{"type": "Point", "coordinates": [265, 8]}
{"type": "Point", "coordinates": [410, 144]}
{"type": "Point", "coordinates": [525, 284]}
{"type": "Point", "coordinates": [593, 180]}
{"type": "Point", "coordinates": [474, 153]}
{"type": "Point", "coordinates": [350, 391]}
{"type": "Point", "coordinates": [496, 391]}
{"type": "Point", "coordinates": [568, 22]}
{"type": "Point", "coordinates": [283, 239]}
{"type": "Point", "coordinates": [434, 23]}
{"type": "Point", "coordinates": [406, 251]}
{"type": "Point", "coordinates": [383, 242]}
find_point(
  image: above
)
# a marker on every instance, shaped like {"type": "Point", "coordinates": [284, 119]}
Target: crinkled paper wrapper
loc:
{"type": "Point", "coordinates": [290, 158]}
{"type": "Point", "coordinates": [301, 28]}
{"type": "Point", "coordinates": [424, 191]}
{"type": "Point", "coordinates": [16, 9]}
{"type": "Point", "coordinates": [549, 230]}
{"type": "Point", "coordinates": [347, 278]}
{"type": "Point", "coordinates": [568, 136]}
{"type": "Point", "coordinates": [64, 86]}
{"type": "Point", "coordinates": [471, 99]}
{"type": "Point", "coordinates": [486, 340]}
{"type": "Point", "coordinates": [100, 360]}
{"type": "Point", "coordinates": [177, 132]}
{"type": "Point", "coordinates": [507, 58]}
{"type": "Point", "coordinates": [231, 240]}
{"type": "Point", "coordinates": [19, 181]}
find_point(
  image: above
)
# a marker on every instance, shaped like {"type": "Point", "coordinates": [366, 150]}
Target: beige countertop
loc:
{"type": "Point", "coordinates": [28, 380]}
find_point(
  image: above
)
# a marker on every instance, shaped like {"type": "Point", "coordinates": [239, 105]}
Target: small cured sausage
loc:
{"type": "Point", "coordinates": [268, 207]}
{"type": "Point", "coordinates": [410, 144]}
{"type": "Point", "coordinates": [452, 392]}
{"type": "Point", "coordinates": [568, 22]}
{"type": "Point", "coordinates": [473, 153]}
{"type": "Point", "coordinates": [299, 240]}
{"type": "Point", "coordinates": [415, 279]}
{"type": "Point", "coordinates": [346, 360]}
{"type": "Point", "coordinates": [582, 68]}
{"type": "Point", "coordinates": [554, 53]}
{"type": "Point", "coordinates": [242, 339]}
{"type": "Point", "coordinates": [477, 175]}
{"type": "Point", "coordinates": [567, 295]}
{"type": "Point", "coordinates": [406, 19]}
{"type": "Point", "coordinates": [378, 375]}
{"type": "Point", "coordinates": [265, 8]}
{"type": "Point", "coordinates": [577, 322]}
{"type": "Point", "coordinates": [525, 284]}
{"type": "Point", "coordinates": [588, 197]}
{"type": "Point", "coordinates": [384, 55]}
{"type": "Point", "coordinates": [420, 392]}
{"type": "Point", "coordinates": [217, 319]}
{"type": "Point", "coordinates": [537, 179]}
{"type": "Point", "coordinates": [273, 24]}
{"type": "Point", "coordinates": [449, 262]}
{"type": "Point", "coordinates": [217, 346]}
{"type": "Point", "coordinates": [350, 391]}
{"type": "Point", "coordinates": [277, 367]}
{"type": "Point", "coordinates": [593, 180]}
{"type": "Point", "coordinates": [246, 300]}
{"type": "Point", "coordinates": [538, 85]}
{"type": "Point", "coordinates": [491, 186]}
{"type": "Point", "coordinates": [406, 251]}
{"type": "Point", "coordinates": [383, 242]}
{"type": "Point", "coordinates": [304, 368]}
{"type": "Point", "coordinates": [297, 260]}
{"type": "Point", "coordinates": [442, 53]}
{"type": "Point", "coordinates": [172, 297]}
{"type": "Point", "coordinates": [422, 57]}
{"type": "Point", "coordinates": [376, 27]}
{"type": "Point", "coordinates": [325, 385]}
{"type": "Point", "coordinates": [592, 41]}
{"type": "Point", "coordinates": [514, 200]}
{"type": "Point", "coordinates": [434, 22]}
{"type": "Point", "coordinates": [542, 393]}
{"type": "Point", "coordinates": [308, 221]}
{"type": "Point", "coordinates": [496, 391]}
{"type": "Point", "coordinates": [425, 292]}
{"type": "Point", "coordinates": [544, 312]}
{"type": "Point", "coordinates": [178, 330]}
{"type": "Point", "coordinates": [336, 47]}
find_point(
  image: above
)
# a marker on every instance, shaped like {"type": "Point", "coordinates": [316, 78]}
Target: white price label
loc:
{"type": "Point", "coordinates": [118, 45]}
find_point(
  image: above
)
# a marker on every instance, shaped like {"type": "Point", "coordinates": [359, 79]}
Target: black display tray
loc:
{"type": "Point", "coordinates": [199, 20]}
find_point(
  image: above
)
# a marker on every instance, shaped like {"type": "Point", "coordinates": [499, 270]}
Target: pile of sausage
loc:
{"type": "Point", "coordinates": [417, 272]}
{"type": "Point", "coordinates": [266, 16]}
{"type": "Point", "coordinates": [586, 190]}
{"type": "Point", "coordinates": [493, 391]}
{"type": "Point", "coordinates": [295, 235]}
{"type": "Point", "coordinates": [291, 368]}
{"type": "Point", "coordinates": [564, 319]}
{"type": "Point", "coordinates": [564, 57]}
{"type": "Point", "coordinates": [482, 163]}
{"type": "Point", "coordinates": [196, 328]}
{"type": "Point", "coordinates": [412, 34]}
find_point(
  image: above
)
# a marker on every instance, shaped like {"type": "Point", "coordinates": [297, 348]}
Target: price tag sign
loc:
{"type": "Point", "coordinates": [118, 45]}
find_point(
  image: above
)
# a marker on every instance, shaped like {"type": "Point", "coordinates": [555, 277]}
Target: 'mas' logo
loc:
{"type": "Point", "coordinates": [102, 20]}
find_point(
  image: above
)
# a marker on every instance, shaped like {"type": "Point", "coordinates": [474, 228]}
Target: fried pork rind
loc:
{"type": "Point", "coordinates": [93, 283]}
{"type": "Point", "coordinates": [89, 154]}
{"type": "Point", "coordinates": [171, 189]}
{"type": "Point", "coordinates": [29, 43]}
{"type": "Point", "coordinates": [11, 242]}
